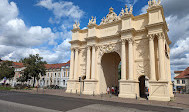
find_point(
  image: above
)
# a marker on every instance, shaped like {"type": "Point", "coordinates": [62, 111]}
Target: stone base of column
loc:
{"type": "Point", "coordinates": [128, 89]}
{"type": "Point", "coordinates": [90, 87]}
{"type": "Point", "coordinates": [159, 91]}
{"type": "Point", "coordinates": [171, 90]}
{"type": "Point", "coordinates": [71, 86]}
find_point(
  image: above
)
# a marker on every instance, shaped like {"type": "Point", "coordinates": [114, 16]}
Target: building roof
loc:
{"type": "Point", "coordinates": [18, 65]}
{"type": "Point", "coordinates": [47, 66]}
{"type": "Point", "coordinates": [183, 74]}
{"type": "Point", "coordinates": [56, 66]}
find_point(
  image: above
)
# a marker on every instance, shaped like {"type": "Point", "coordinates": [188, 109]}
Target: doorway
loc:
{"type": "Point", "coordinates": [110, 64]}
{"type": "Point", "coordinates": [142, 87]}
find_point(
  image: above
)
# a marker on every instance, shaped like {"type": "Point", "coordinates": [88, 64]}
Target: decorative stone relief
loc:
{"type": "Point", "coordinates": [92, 21]}
{"type": "Point", "coordinates": [142, 68]}
{"type": "Point", "coordinates": [152, 3]}
{"type": "Point", "coordinates": [76, 25]}
{"type": "Point", "coordinates": [84, 60]}
{"type": "Point", "coordinates": [142, 49]}
{"type": "Point", "coordinates": [116, 47]}
{"type": "Point", "coordinates": [110, 17]}
{"type": "Point", "coordinates": [127, 11]}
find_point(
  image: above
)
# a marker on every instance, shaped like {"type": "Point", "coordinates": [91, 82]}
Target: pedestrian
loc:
{"type": "Point", "coordinates": [112, 90]}
{"type": "Point", "coordinates": [108, 90]}
{"type": "Point", "coordinates": [147, 92]}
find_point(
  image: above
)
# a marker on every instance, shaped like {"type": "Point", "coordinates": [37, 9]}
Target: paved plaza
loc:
{"type": "Point", "coordinates": [13, 101]}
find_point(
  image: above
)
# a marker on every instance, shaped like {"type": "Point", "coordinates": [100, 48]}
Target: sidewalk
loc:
{"type": "Point", "coordinates": [181, 100]}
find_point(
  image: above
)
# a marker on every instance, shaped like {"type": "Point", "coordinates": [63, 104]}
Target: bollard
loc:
{"type": "Point", "coordinates": [76, 91]}
{"type": "Point", "coordinates": [136, 97]}
{"type": "Point", "coordinates": [110, 95]}
{"type": "Point", "coordinates": [93, 93]}
{"type": "Point", "coordinates": [101, 95]}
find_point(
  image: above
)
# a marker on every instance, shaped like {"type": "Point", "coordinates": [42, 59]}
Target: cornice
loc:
{"type": "Point", "coordinates": [164, 24]}
{"type": "Point", "coordinates": [109, 24]}
{"type": "Point", "coordinates": [131, 30]}
{"type": "Point", "coordinates": [127, 16]}
{"type": "Point", "coordinates": [75, 41]}
{"type": "Point", "coordinates": [75, 30]}
{"type": "Point", "coordinates": [92, 26]}
{"type": "Point", "coordinates": [111, 36]}
{"type": "Point", "coordinates": [92, 38]}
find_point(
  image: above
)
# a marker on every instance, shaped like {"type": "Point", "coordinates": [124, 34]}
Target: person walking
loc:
{"type": "Point", "coordinates": [112, 90]}
{"type": "Point", "coordinates": [108, 90]}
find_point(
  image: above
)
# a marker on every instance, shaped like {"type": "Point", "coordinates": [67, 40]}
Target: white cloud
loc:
{"type": "Point", "coordinates": [18, 40]}
{"type": "Point", "coordinates": [143, 10]}
{"type": "Point", "coordinates": [129, 2]}
{"type": "Point", "coordinates": [7, 11]}
{"type": "Point", "coordinates": [16, 33]}
{"type": "Point", "coordinates": [62, 9]}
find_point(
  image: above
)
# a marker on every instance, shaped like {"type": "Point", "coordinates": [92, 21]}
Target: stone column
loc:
{"type": "Point", "coordinates": [123, 61]}
{"type": "Point", "coordinates": [130, 41]}
{"type": "Point", "coordinates": [76, 64]}
{"type": "Point", "coordinates": [72, 64]}
{"type": "Point", "coordinates": [152, 58]}
{"type": "Point", "coordinates": [93, 63]}
{"type": "Point", "coordinates": [88, 62]}
{"type": "Point", "coordinates": [161, 56]}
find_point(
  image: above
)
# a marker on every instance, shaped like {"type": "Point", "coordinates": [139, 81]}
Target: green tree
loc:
{"type": "Point", "coordinates": [6, 70]}
{"type": "Point", "coordinates": [34, 67]}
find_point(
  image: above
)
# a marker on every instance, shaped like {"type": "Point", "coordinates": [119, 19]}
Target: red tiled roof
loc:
{"type": "Point", "coordinates": [184, 74]}
{"type": "Point", "coordinates": [47, 66]}
{"type": "Point", "coordinates": [56, 66]}
{"type": "Point", "coordinates": [18, 65]}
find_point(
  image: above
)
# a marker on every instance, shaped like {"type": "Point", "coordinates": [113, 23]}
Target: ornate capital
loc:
{"type": "Point", "coordinates": [76, 49]}
{"type": "Point", "coordinates": [72, 49]}
{"type": "Point", "coordinates": [130, 41]}
{"type": "Point", "coordinates": [123, 41]}
{"type": "Point", "coordinates": [88, 47]}
{"type": "Point", "coordinates": [160, 36]}
{"type": "Point", "coordinates": [151, 36]}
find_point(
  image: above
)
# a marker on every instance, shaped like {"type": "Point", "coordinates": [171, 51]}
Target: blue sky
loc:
{"type": "Point", "coordinates": [43, 26]}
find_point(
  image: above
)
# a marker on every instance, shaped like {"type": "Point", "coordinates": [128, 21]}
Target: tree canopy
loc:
{"type": "Point", "coordinates": [6, 69]}
{"type": "Point", "coordinates": [34, 67]}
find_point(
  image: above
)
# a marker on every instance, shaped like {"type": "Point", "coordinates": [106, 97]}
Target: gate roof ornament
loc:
{"type": "Point", "coordinates": [110, 17]}
{"type": "Point", "coordinates": [92, 21]}
{"type": "Point", "coordinates": [153, 3]}
{"type": "Point", "coordinates": [76, 25]}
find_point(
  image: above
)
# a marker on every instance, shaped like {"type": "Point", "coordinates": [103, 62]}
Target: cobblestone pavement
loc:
{"type": "Point", "coordinates": [13, 101]}
{"type": "Point", "coordinates": [180, 100]}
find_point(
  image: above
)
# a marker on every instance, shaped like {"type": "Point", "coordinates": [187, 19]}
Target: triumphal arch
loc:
{"type": "Point", "coordinates": [139, 43]}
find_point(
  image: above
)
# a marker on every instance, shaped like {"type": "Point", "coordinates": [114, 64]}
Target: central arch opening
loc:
{"type": "Point", "coordinates": [111, 69]}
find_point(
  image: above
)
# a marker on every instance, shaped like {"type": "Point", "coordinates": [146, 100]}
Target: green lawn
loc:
{"type": "Point", "coordinates": [5, 88]}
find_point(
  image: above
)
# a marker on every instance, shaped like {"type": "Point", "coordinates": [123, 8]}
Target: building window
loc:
{"type": "Point", "coordinates": [58, 74]}
{"type": "Point", "coordinates": [64, 73]}
{"type": "Point", "coordinates": [178, 81]}
{"type": "Point", "coordinates": [63, 82]}
{"type": "Point", "coordinates": [183, 81]}
{"type": "Point", "coordinates": [68, 73]}
{"type": "Point", "coordinates": [55, 74]}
